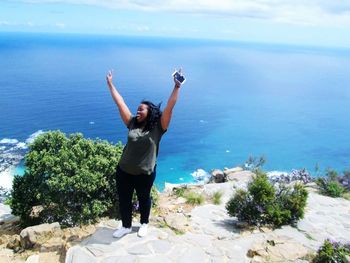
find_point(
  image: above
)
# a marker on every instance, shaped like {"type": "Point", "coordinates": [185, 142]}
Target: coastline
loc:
{"type": "Point", "coordinates": [179, 231]}
{"type": "Point", "coordinates": [6, 177]}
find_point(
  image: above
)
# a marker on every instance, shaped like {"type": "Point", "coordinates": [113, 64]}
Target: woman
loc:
{"type": "Point", "coordinates": [137, 165]}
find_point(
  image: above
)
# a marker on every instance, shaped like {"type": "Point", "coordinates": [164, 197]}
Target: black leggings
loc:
{"type": "Point", "coordinates": [126, 183]}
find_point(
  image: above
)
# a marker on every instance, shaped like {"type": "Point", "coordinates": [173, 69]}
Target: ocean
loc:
{"type": "Point", "coordinates": [287, 103]}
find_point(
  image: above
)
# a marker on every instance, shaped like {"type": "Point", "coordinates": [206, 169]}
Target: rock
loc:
{"type": "Point", "coordinates": [36, 210]}
{"type": "Point", "coordinates": [265, 229]}
{"type": "Point", "coordinates": [6, 255]}
{"type": "Point", "coordinates": [9, 224]}
{"type": "Point", "coordinates": [34, 236]}
{"type": "Point", "coordinates": [78, 233]}
{"type": "Point", "coordinates": [177, 222]}
{"type": "Point", "coordinates": [33, 259]}
{"type": "Point", "coordinates": [13, 242]}
{"type": "Point", "coordinates": [194, 254]}
{"type": "Point", "coordinates": [347, 259]}
{"type": "Point", "coordinates": [50, 257]}
{"type": "Point", "coordinates": [161, 246]}
{"type": "Point", "coordinates": [78, 254]}
{"type": "Point", "coordinates": [10, 241]}
{"type": "Point", "coordinates": [139, 249]}
{"type": "Point", "coordinates": [278, 250]}
{"type": "Point", "coordinates": [52, 245]}
{"type": "Point", "coordinates": [179, 200]}
{"type": "Point", "coordinates": [217, 176]}
{"type": "Point", "coordinates": [228, 171]}
{"type": "Point", "coordinates": [242, 177]}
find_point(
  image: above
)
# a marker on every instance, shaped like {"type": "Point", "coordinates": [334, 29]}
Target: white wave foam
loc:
{"type": "Point", "coordinates": [32, 137]}
{"type": "Point", "coordinates": [6, 178]}
{"type": "Point", "coordinates": [276, 173]}
{"type": "Point", "coordinates": [200, 175]}
{"type": "Point", "coordinates": [8, 141]}
{"type": "Point", "coordinates": [21, 145]}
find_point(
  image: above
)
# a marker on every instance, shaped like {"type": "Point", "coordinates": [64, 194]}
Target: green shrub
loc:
{"type": "Point", "coordinates": [71, 179]}
{"type": "Point", "coordinates": [263, 204]}
{"type": "Point", "coordinates": [334, 189]}
{"type": "Point", "coordinates": [193, 198]}
{"type": "Point", "coordinates": [330, 187]}
{"type": "Point", "coordinates": [332, 252]}
{"type": "Point", "coordinates": [216, 197]}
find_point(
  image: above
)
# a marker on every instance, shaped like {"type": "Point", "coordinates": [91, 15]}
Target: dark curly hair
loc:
{"type": "Point", "coordinates": [153, 116]}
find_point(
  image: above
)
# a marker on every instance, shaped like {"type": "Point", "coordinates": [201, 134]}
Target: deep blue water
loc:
{"type": "Point", "coordinates": [290, 104]}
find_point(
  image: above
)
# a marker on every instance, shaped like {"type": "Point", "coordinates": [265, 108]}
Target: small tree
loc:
{"type": "Point", "coordinates": [254, 163]}
{"type": "Point", "coordinates": [71, 180]}
{"type": "Point", "coordinates": [263, 204]}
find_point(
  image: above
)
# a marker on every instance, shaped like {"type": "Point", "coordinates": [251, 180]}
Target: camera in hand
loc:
{"type": "Point", "coordinates": [179, 77]}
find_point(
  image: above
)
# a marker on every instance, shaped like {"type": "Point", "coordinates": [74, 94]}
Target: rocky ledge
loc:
{"type": "Point", "coordinates": [180, 232]}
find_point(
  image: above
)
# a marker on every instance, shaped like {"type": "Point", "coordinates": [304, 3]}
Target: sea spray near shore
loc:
{"type": "Point", "coordinates": [12, 152]}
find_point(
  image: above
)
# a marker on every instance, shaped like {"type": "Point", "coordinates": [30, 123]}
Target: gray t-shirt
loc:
{"type": "Point", "coordinates": [141, 150]}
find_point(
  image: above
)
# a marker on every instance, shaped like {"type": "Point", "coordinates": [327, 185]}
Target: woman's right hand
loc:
{"type": "Point", "coordinates": [109, 77]}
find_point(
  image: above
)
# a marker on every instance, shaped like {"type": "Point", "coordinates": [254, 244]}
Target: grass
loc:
{"type": "Point", "coordinates": [346, 195]}
{"type": "Point", "coordinates": [216, 197]}
{"type": "Point", "coordinates": [193, 198]}
{"type": "Point", "coordinates": [180, 192]}
{"type": "Point", "coordinates": [175, 230]}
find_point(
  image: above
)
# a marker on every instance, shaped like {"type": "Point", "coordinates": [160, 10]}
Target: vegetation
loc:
{"type": "Point", "coordinates": [332, 252]}
{"type": "Point", "coordinates": [69, 180]}
{"type": "Point", "coordinates": [216, 197]}
{"type": "Point", "coordinates": [193, 198]}
{"type": "Point", "coordinates": [262, 204]}
{"type": "Point", "coordinates": [180, 191]}
{"type": "Point", "coordinates": [334, 185]}
{"type": "Point", "coordinates": [254, 163]}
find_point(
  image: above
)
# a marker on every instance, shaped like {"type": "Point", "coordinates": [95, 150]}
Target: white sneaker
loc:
{"type": "Point", "coordinates": [121, 232]}
{"type": "Point", "coordinates": [142, 230]}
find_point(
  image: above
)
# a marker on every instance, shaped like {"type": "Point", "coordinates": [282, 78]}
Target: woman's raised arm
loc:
{"type": "Point", "coordinates": [168, 111]}
{"type": "Point", "coordinates": [124, 111]}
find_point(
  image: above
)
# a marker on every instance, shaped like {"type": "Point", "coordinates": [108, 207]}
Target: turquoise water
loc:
{"type": "Point", "coordinates": [287, 103]}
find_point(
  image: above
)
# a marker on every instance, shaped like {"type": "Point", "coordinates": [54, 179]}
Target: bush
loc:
{"type": "Point", "coordinates": [72, 180]}
{"type": "Point", "coordinates": [263, 204]}
{"type": "Point", "coordinates": [330, 187]}
{"type": "Point", "coordinates": [332, 252]}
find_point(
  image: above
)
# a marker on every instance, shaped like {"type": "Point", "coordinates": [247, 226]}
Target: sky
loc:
{"type": "Point", "coordinates": [301, 22]}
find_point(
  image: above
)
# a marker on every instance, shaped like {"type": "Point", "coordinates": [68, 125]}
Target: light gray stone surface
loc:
{"type": "Point", "coordinates": [214, 236]}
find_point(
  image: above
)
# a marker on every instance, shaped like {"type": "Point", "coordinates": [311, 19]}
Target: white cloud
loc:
{"type": "Point", "coordinates": [300, 12]}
